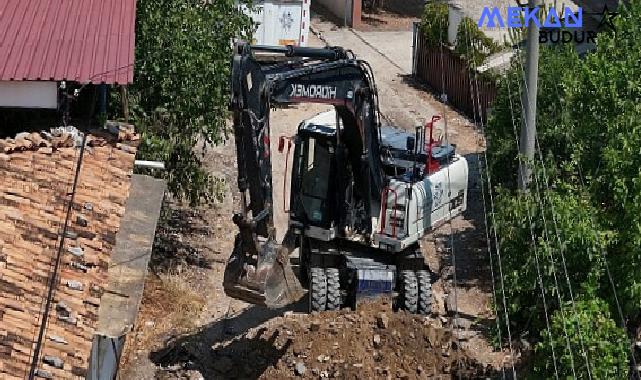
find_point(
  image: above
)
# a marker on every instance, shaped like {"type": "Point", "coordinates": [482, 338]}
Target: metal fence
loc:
{"type": "Point", "coordinates": [443, 71]}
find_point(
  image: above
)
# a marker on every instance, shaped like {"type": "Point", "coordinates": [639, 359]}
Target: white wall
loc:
{"type": "Point", "coordinates": [29, 94]}
{"type": "Point", "coordinates": [339, 8]}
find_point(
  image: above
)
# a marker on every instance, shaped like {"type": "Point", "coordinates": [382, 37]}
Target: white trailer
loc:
{"type": "Point", "coordinates": [281, 22]}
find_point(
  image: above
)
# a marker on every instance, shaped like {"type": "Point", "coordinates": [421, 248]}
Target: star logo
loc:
{"type": "Point", "coordinates": [607, 19]}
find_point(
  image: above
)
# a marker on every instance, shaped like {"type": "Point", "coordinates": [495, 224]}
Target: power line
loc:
{"type": "Point", "coordinates": [538, 198]}
{"type": "Point", "coordinates": [53, 277]}
{"type": "Point", "coordinates": [449, 184]}
{"type": "Point", "coordinates": [493, 217]}
{"type": "Point", "coordinates": [532, 235]}
{"type": "Point", "coordinates": [485, 223]}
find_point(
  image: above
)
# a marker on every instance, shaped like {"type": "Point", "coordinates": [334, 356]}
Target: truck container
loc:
{"type": "Point", "coordinates": [280, 22]}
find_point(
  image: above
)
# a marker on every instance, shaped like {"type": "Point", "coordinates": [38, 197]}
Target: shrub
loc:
{"type": "Point", "coordinates": [605, 343]}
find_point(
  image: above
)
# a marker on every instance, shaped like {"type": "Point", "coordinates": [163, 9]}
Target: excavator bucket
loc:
{"type": "Point", "coordinates": [262, 275]}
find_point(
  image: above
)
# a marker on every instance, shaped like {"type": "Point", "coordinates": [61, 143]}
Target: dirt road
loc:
{"type": "Point", "coordinates": [189, 329]}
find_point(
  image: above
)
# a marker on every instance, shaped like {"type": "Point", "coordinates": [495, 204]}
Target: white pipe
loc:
{"type": "Point", "coordinates": [150, 164]}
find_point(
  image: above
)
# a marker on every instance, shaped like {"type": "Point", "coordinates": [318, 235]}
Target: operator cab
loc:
{"type": "Point", "coordinates": [326, 198]}
{"type": "Point", "coordinates": [313, 196]}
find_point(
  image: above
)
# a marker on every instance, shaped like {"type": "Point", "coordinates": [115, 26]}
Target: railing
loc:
{"type": "Point", "coordinates": [448, 72]}
{"type": "Point", "coordinates": [385, 201]}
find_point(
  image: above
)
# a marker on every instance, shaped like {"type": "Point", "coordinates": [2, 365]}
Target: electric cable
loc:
{"type": "Point", "coordinates": [493, 223]}
{"type": "Point", "coordinates": [449, 193]}
{"type": "Point", "coordinates": [546, 239]}
{"type": "Point", "coordinates": [53, 277]}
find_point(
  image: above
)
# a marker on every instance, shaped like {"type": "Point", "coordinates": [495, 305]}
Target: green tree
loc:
{"type": "Point", "coordinates": [180, 92]}
{"type": "Point", "coordinates": [589, 132]}
{"type": "Point", "coordinates": [591, 327]}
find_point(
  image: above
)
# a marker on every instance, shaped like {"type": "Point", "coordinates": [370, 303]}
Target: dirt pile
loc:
{"type": "Point", "coordinates": [372, 342]}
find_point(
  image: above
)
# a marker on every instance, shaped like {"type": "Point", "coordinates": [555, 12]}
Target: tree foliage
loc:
{"type": "Point", "coordinates": [180, 94]}
{"type": "Point", "coordinates": [472, 44]}
{"type": "Point", "coordinates": [589, 191]}
{"type": "Point", "coordinates": [434, 23]}
{"type": "Point", "coordinates": [605, 344]}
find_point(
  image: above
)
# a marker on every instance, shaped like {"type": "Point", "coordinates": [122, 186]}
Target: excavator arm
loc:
{"type": "Point", "coordinates": [266, 76]}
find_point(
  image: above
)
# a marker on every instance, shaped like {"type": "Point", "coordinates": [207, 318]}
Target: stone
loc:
{"type": "Point", "coordinates": [58, 339]}
{"type": "Point", "coordinates": [377, 341]}
{"type": "Point", "coordinates": [81, 221]}
{"type": "Point", "coordinates": [300, 369]}
{"type": "Point", "coordinates": [53, 361]}
{"type": "Point", "coordinates": [74, 285]}
{"type": "Point", "coordinates": [314, 326]}
{"type": "Point", "coordinates": [382, 321]}
{"type": "Point", "coordinates": [76, 251]}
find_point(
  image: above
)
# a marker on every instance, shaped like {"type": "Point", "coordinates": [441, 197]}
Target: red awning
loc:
{"type": "Point", "coordinates": [74, 40]}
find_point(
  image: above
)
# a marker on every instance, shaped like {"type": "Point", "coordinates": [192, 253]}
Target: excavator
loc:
{"type": "Point", "coordinates": [362, 195]}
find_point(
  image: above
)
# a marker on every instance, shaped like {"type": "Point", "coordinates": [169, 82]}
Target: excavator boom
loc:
{"type": "Point", "coordinates": [263, 76]}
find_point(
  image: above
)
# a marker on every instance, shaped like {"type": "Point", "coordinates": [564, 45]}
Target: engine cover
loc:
{"type": "Point", "coordinates": [410, 210]}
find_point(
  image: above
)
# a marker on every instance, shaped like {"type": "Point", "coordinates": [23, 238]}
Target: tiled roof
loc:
{"type": "Point", "coordinates": [74, 40]}
{"type": "Point", "coordinates": [37, 172]}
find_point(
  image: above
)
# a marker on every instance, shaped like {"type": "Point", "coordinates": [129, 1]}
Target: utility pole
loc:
{"type": "Point", "coordinates": [528, 131]}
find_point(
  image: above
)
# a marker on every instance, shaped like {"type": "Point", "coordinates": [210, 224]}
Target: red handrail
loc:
{"type": "Point", "coordinates": [431, 164]}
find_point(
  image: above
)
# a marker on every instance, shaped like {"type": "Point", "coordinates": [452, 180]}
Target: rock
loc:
{"type": "Point", "coordinates": [53, 361]}
{"type": "Point", "coordinates": [382, 321]}
{"type": "Point", "coordinates": [300, 369]}
{"type": "Point", "coordinates": [324, 375]}
{"type": "Point", "coordinates": [377, 341]}
{"type": "Point", "coordinates": [314, 326]}
{"type": "Point", "coordinates": [358, 365]}
{"type": "Point", "coordinates": [224, 364]}
{"type": "Point", "coordinates": [195, 375]}
{"type": "Point", "coordinates": [419, 369]}
{"type": "Point", "coordinates": [464, 323]}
